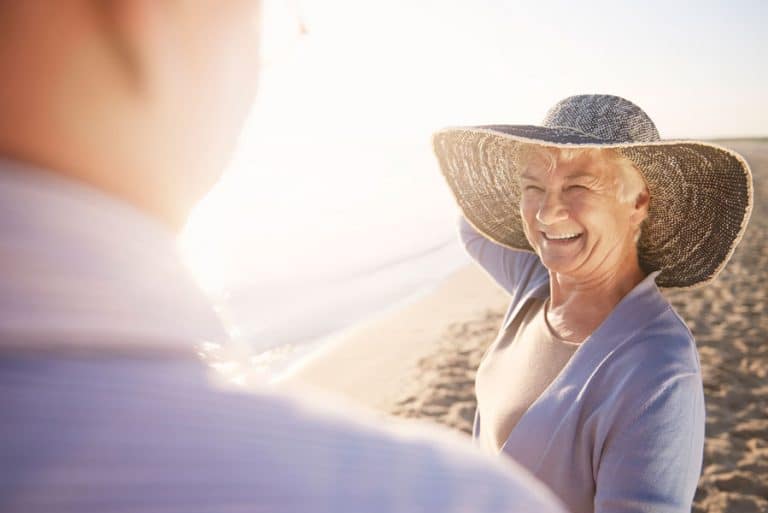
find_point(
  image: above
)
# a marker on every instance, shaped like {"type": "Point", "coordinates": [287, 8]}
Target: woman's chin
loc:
{"type": "Point", "coordinates": [560, 258]}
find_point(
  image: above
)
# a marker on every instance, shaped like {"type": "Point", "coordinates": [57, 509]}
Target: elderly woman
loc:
{"type": "Point", "coordinates": [593, 382]}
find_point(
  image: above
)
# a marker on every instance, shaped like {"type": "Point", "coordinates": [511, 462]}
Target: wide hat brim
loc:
{"type": "Point", "coordinates": [701, 193]}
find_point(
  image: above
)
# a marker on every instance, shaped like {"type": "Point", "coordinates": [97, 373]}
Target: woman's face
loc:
{"type": "Point", "coordinates": [573, 217]}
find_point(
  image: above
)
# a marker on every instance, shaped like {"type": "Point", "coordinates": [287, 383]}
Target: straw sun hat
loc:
{"type": "Point", "coordinates": [701, 193]}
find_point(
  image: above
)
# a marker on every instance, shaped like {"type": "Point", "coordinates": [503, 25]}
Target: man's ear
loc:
{"type": "Point", "coordinates": [123, 24]}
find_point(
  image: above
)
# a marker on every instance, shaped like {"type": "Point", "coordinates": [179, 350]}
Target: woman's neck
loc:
{"type": "Point", "coordinates": [578, 306]}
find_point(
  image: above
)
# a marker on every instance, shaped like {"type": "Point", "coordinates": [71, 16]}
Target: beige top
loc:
{"type": "Point", "coordinates": [516, 370]}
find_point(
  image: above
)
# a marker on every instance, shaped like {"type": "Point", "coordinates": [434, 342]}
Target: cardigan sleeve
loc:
{"type": "Point", "coordinates": [651, 462]}
{"type": "Point", "coordinates": [510, 268]}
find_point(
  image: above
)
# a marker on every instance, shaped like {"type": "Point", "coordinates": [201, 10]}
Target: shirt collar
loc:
{"type": "Point", "coordinates": [80, 268]}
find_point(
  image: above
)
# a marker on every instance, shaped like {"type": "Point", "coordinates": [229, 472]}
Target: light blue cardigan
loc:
{"type": "Point", "coordinates": [621, 428]}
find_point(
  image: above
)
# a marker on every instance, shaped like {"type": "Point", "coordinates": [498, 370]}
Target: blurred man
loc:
{"type": "Point", "coordinates": [116, 116]}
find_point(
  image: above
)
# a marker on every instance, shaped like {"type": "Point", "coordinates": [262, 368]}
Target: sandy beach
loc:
{"type": "Point", "coordinates": [419, 362]}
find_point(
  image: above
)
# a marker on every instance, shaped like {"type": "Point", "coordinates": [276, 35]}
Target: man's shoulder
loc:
{"type": "Point", "coordinates": [181, 439]}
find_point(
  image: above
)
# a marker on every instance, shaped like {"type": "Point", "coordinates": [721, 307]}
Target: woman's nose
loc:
{"type": "Point", "coordinates": [552, 209]}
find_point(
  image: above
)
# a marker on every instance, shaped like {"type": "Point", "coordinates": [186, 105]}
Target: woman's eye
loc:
{"type": "Point", "coordinates": [577, 187]}
{"type": "Point", "coordinates": [533, 188]}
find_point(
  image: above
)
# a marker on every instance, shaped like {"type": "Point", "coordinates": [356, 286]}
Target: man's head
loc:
{"type": "Point", "coordinates": [141, 98]}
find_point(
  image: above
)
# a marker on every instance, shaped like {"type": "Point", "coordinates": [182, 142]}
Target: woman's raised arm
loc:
{"type": "Point", "coordinates": [510, 268]}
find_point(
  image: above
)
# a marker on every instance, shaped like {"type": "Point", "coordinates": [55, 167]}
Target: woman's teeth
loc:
{"type": "Point", "coordinates": [564, 236]}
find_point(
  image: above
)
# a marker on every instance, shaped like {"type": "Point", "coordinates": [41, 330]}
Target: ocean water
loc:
{"type": "Point", "coordinates": [297, 246]}
{"type": "Point", "coordinates": [334, 208]}
{"type": "Point", "coordinates": [286, 323]}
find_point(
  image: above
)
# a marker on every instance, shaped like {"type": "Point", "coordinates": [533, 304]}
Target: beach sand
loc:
{"type": "Point", "coordinates": [419, 362]}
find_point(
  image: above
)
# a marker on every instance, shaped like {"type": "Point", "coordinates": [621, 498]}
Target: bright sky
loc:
{"type": "Point", "coordinates": [345, 112]}
{"type": "Point", "coordinates": [408, 66]}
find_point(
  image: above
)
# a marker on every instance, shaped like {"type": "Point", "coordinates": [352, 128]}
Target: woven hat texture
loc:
{"type": "Point", "coordinates": [701, 193]}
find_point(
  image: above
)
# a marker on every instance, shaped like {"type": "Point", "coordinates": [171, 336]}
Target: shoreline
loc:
{"type": "Point", "coordinates": [378, 356]}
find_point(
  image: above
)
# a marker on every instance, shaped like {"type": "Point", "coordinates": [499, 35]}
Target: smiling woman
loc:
{"type": "Point", "coordinates": [593, 382]}
{"type": "Point", "coordinates": [582, 210]}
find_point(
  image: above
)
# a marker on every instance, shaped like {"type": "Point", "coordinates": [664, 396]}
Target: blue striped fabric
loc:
{"type": "Point", "coordinates": [118, 434]}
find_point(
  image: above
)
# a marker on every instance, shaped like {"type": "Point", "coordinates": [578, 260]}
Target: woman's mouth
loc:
{"type": "Point", "coordinates": [561, 237]}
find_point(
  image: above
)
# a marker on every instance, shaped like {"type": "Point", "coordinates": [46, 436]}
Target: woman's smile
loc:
{"type": "Point", "coordinates": [566, 237]}
{"type": "Point", "coordinates": [560, 246]}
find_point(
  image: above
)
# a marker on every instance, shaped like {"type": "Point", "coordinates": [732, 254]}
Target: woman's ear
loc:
{"type": "Point", "coordinates": [640, 211]}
